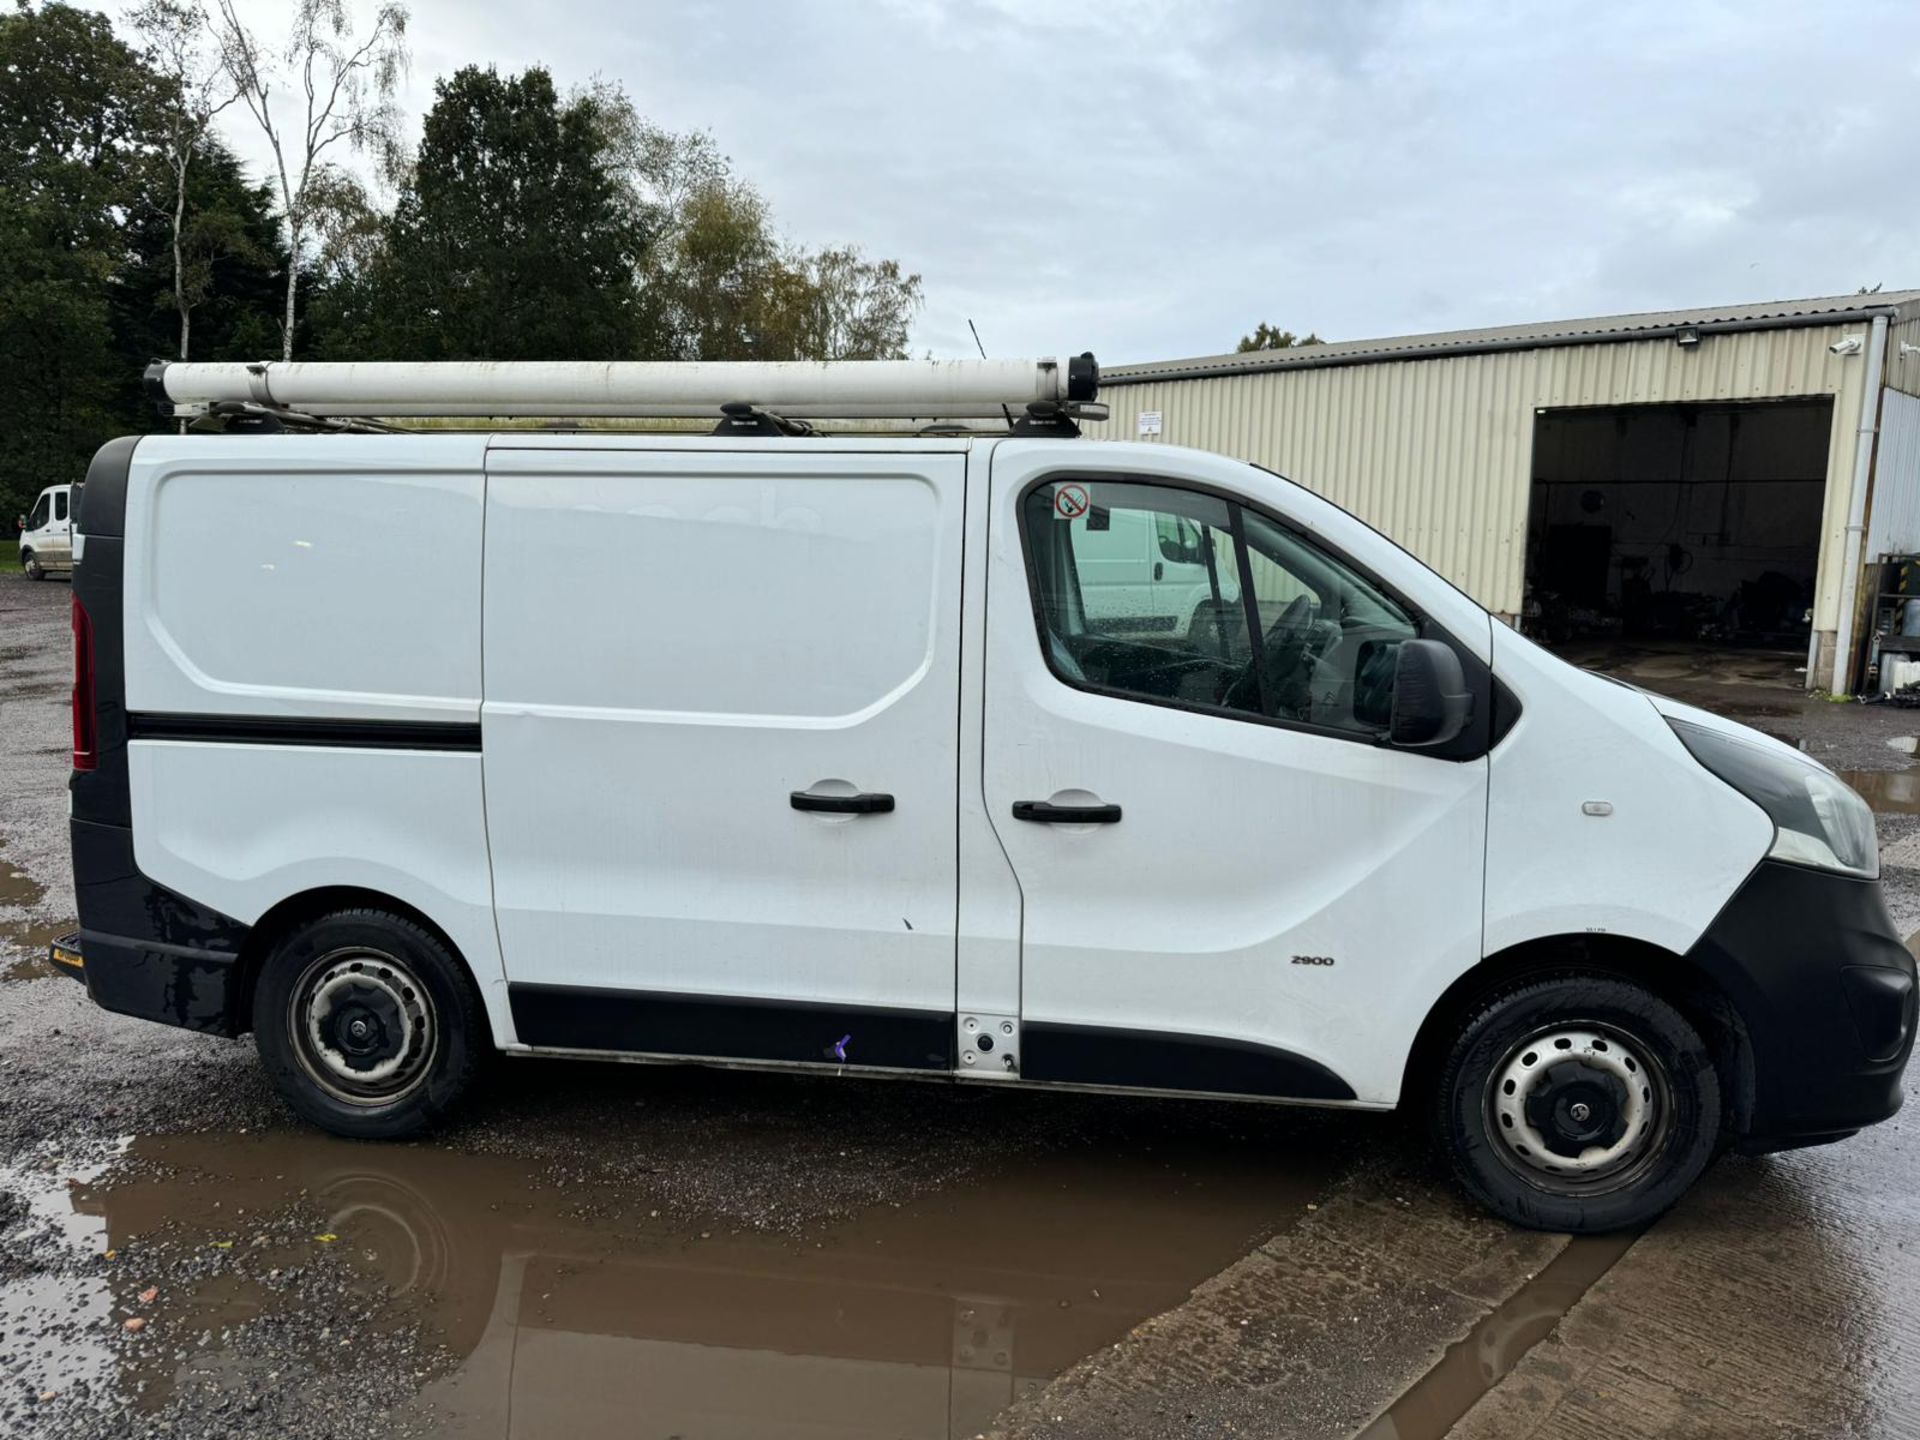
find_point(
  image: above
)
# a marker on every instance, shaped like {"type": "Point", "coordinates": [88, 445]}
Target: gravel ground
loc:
{"type": "Point", "coordinates": [259, 1312]}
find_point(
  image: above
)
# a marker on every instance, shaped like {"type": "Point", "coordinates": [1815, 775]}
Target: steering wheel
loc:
{"type": "Point", "coordinates": [1281, 650]}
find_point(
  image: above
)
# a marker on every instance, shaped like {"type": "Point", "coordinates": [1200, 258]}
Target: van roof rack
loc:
{"type": "Point", "coordinates": [747, 397]}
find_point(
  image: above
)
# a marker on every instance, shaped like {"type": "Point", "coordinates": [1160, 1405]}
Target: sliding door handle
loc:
{"type": "Point", "coordinates": [1044, 812]}
{"type": "Point", "coordinates": [842, 804]}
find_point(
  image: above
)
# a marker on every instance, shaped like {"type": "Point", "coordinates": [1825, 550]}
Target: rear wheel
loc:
{"type": "Point", "coordinates": [1580, 1103]}
{"type": "Point", "coordinates": [30, 563]}
{"type": "Point", "coordinates": [368, 1025]}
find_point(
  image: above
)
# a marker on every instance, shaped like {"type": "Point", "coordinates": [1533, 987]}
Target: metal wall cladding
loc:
{"type": "Point", "coordinates": [1438, 453]}
{"type": "Point", "coordinates": [1903, 371]}
{"type": "Point", "coordinates": [1893, 525]}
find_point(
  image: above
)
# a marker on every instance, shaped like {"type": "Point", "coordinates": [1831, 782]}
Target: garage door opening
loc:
{"type": "Point", "coordinates": [1679, 544]}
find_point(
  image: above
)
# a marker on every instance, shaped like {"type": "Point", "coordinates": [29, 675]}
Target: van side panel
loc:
{"type": "Point", "coordinates": [1669, 849]}
{"type": "Point", "coordinates": [302, 677]}
{"type": "Point", "coordinates": [677, 644]}
{"type": "Point", "coordinates": [306, 576]}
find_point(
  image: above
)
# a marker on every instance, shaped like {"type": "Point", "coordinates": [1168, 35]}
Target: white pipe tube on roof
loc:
{"type": "Point", "coordinates": [800, 389]}
{"type": "Point", "coordinates": [1842, 682]}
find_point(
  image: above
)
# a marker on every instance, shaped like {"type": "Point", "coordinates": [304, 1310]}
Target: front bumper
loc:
{"type": "Point", "coordinates": [1825, 988]}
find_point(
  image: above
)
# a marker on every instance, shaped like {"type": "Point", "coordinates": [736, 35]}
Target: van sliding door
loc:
{"type": "Point", "coordinates": [720, 726]}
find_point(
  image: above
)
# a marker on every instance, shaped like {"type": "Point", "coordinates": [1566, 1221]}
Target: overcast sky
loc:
{"type": "Point", "coordinates": [1149, 178]}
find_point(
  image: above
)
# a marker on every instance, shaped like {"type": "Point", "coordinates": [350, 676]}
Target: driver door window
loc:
{"type": "Point", "coordinates": [1230, 611]}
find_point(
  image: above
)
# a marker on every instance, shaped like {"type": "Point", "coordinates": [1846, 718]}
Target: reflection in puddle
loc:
{"type": "Point", "coordinates": [585, 1313]}
{"type": "Point", "coordinates": [1891, 792]}
{"type": "Point", "coordinates": [1430, 1407]}
{"type": "Point", "coordinates": [45, 1199]}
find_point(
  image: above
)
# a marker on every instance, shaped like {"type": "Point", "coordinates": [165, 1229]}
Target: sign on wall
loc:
{"type": "Point", "coordinates": [1149, 423]}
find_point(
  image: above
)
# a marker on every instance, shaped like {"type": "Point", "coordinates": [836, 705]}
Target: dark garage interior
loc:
{"type": "Point", "coordinates": [1673, 528]}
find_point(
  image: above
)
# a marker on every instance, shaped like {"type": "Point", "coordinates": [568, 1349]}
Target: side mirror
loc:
{"type": "Point", "coordinates": [1431, 702]}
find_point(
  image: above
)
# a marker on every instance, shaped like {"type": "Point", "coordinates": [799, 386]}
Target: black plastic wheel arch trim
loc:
{"type": "Point", "coordinates": [727, 1027]}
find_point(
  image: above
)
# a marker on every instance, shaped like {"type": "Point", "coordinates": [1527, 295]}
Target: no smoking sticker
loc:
{"type": "Point", "coordinates": [1070, 502]}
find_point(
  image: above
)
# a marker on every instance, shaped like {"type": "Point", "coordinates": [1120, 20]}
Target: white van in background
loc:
{"type": "Point", "coordinates": [46, 534]}
{"type": "Point", "coordinates": [1154, 575]}
{"type": "Point", "coordinates": [882, 755]}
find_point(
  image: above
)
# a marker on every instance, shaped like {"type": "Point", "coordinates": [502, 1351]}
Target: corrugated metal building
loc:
{"type": "Point", "coordinates": [1696, 469]}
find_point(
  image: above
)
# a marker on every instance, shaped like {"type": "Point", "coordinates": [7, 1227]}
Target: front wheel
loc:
{"type": "Point", "coordinates": [368, 1025]}
{"type": "Point", "coordinates": [30, 563]}
{"type": "Point", "coordinates": [1578, 1103]}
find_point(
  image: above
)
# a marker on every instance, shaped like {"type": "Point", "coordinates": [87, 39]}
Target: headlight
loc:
{"type": "Point", "coordinates": [1817, 820]}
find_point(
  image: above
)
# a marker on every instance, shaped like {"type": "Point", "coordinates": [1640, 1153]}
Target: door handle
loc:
{"type": "Point", "coordinates": [1159, 569]}
{"type": "Point", "coordinates": [1044, 812]}
{"type": "Point", "coordinates": [868, 804]}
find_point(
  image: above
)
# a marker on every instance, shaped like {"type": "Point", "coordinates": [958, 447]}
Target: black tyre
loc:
{"type": "Point", "coordinates": [1578, 1103]}
{"type": "Point", "coordinates": [30, 563]}
{"type": "Point", "coordinates": [368, 1025]}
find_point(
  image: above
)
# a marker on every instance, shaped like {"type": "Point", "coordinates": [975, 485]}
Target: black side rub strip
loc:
{"type": "Point", "coordinates": [1090, 1055]}
{"type": "Point", "coordinates": [293, 730]}
{"type": "Point", "coordinates": [725, 1027]}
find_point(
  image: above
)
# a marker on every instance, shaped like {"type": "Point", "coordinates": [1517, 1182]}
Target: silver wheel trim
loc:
{"type": "Point", "coordinates": [1599, 1169]}
{"type": "Point", "coordinates": [328, 1067]}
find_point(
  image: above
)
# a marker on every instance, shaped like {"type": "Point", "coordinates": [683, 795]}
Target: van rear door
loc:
{"type": "Point", "coordinates": [720, 718]}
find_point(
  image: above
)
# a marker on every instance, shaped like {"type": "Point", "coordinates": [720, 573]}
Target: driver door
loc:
{"type": "Point", "coordinates": [1225, 875]}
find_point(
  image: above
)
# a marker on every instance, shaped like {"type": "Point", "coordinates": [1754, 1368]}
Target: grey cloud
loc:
{"type": "Point", "coordinates": [1149, 177]}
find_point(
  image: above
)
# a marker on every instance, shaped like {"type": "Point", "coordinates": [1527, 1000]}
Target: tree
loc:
{"type": "Point", "coordinates": [512, 238]}
{"type": "Point", "coordinates": [861, 309]}
{"type": "Point", "coordinates": [1267, 337]}
{"type": "Point", "coordinates": [75, 106]}
{"type": "Point", "coordinates": [224, 257]}
{"type": "Point", "coordinates": [720, 282]}
{"type": "Point", "coordinates": [345, 96]}
{"type": "Point", "coordinates": [194, 88]}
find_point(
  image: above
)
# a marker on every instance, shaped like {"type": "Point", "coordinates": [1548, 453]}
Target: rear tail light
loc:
{"type": "Point", "coordinates": [86, 728]}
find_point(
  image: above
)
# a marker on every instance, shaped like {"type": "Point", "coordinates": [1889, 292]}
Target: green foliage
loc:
{"type": "Point", "coordinates": [510, 240]}
{"type": "Point", "coordinates": [74, 105]}
{"type": "Point", "coordinates": [718, 282]}
{"type": "Point", "coordinates": [233, 268]}
{"type": "Point", "coordinates": [1268, 337]}
{"type": "Point", "coordinates": [530, 225]}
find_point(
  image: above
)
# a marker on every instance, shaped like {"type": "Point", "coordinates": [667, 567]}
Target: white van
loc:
{"type": "Point", "coordinates": [818, 753]}
{"type": "Point", "coordinates": [46, 534]}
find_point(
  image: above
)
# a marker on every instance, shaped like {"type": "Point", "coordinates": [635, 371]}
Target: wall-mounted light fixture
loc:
{"type": "Point", "coordinates": [1688, 336]}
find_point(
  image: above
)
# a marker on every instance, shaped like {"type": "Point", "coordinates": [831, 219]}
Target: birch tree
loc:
{"type": "Point", "coordinates": [196, 87]}
{"type": "Point", "coordinates": [325, 89]}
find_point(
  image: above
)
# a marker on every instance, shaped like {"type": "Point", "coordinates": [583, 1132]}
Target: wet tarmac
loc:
{"type": "Point", "coordinates": [603, 1250]}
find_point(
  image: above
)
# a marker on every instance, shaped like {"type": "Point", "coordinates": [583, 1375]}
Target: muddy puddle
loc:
{"type": "Point", "coordinates": [24, 940]}
{"type": "Point", "coordinates": [1890, 792]}
{"type": "Point", "coordinates": [1434, 1403]}
{"type": "Point", "coordinates": [589, 1313]}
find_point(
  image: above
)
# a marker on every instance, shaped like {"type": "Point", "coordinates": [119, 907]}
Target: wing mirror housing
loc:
{"type": "Point", "coordinates": [1431, 702]}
